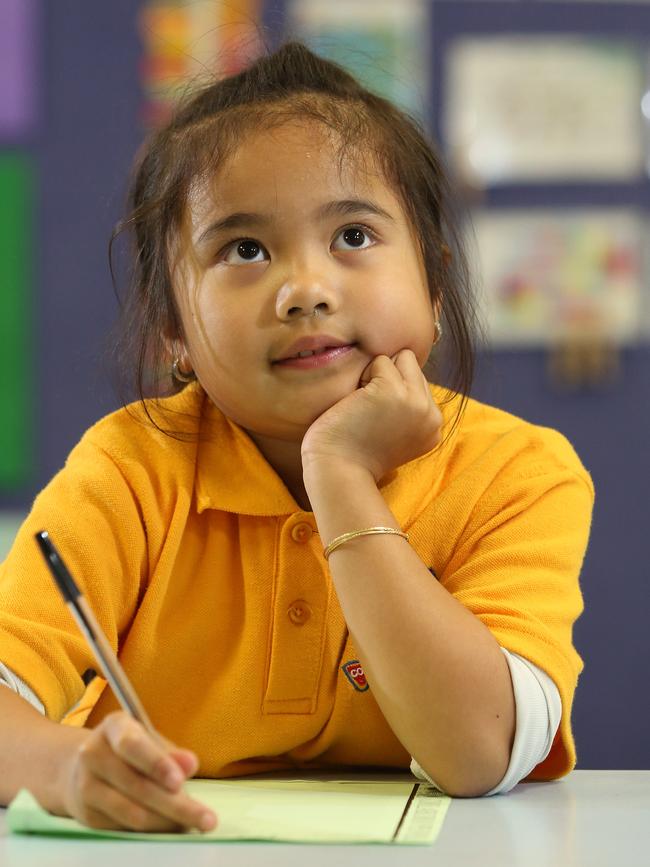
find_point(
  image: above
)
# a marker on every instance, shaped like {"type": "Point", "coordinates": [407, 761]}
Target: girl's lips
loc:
{"type": "Point", "coordinates": [319, 359]}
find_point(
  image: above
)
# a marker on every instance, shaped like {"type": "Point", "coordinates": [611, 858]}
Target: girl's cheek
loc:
{"type": "Point", "coordinates": [419, 340]}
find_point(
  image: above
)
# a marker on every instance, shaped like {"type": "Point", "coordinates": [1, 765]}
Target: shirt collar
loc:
{"type": "Point", "coordinates": [233, 476]}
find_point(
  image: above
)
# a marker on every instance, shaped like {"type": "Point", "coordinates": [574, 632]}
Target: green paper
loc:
{"type": "Point", "coordinates": [281, 810]}
{"type": "Point", "coordinates": [16, 380]}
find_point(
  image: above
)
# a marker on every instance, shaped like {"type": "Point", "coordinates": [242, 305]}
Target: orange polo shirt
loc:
{"type": "Point", "coordinates": [210, 582]}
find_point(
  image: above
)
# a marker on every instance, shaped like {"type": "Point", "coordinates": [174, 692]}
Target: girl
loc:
{"type": "Point", "coordinates": [306, 556]}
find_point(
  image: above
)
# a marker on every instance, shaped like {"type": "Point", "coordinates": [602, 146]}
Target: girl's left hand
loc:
{"type": "Point", "coordinates": [389, 420]}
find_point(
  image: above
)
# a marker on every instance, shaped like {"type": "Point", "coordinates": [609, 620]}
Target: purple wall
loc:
{"type": "Point", "coordinates": [610, 427]}
{"type": "Point", "coordinates": [88, 134]}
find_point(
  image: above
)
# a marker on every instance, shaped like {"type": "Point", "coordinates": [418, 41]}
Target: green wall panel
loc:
{"type": "Point", "coordinates": [16, 345]}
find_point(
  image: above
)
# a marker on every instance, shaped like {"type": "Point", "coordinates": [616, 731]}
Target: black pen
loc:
{"type": "Point", "coordinates": [92, 631]}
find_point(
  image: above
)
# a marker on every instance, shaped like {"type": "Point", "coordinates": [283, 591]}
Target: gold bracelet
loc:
{"type": "Point", "coordinates": [371, 531]}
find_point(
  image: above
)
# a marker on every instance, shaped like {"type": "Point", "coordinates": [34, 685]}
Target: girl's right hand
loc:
{"type": "Point", "coordinates": [120, 777]}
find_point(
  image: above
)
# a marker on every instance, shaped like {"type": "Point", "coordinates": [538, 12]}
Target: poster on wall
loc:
{"type": "Point", "coordinates": [384, 46]}
{"type": "Point", "coordinates": [17, 68]}
{"type": "Point", "coordinates": [544, 108]}
{"type": "Point", "coordinates": [16, 383]}
{"type": "Point", "coordinates": [549, 275]}
{"type": "Point", "coordinates": [189, 43]}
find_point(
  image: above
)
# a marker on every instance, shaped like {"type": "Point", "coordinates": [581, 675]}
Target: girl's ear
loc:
{"type": "Point", "coordinates": [176, 351]}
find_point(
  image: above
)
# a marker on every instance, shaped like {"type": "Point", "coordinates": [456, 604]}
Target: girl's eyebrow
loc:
{"type": "Point", "coordinates": [350, 207]}
{"type": "Point", "coordinates": [339, 207]}
{"type": "Point", "coordinates": [232, 221]}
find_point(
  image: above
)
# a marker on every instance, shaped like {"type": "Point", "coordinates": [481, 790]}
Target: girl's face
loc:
{"type": "Point", "coordinates": [285, 252]}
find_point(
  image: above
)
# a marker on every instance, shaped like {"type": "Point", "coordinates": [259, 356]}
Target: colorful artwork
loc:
{"type": "Point", "coordinates": [385, 46]}
{"type": "Point", "coordinates": [16, 380]}
{"type": "Point", "coordinates": [540, 108]}
{"type": "Point", "coordinates": [17, 68]}
{"type": "Point", "coordinates": [188, 43]}
{"type": "Point", "coordinates": [551, 275]}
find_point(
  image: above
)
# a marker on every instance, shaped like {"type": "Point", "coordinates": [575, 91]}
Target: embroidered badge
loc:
{"type": "Point", "coordinates": [354, 673]}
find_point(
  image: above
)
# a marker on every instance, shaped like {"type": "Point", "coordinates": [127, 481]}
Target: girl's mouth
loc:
{"type": "Point", "coordinates": [310, 359]}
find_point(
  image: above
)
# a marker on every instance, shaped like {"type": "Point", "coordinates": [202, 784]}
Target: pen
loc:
{"type": "Point", "coordinates": [92, 631]}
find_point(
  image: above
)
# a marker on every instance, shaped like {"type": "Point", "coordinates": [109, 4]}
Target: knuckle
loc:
{"type": "Point", "coordinates": [126, 742]}
{"type": "Point", "coordinates": [159, 767]}
{"type": "Point", "coordinates": [86, 751]}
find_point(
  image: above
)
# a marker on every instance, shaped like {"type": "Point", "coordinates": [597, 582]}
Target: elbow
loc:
{"type": "Point", "coordinates": [463, 779]}
{"type": "Point", "coordinates": [467, 789]}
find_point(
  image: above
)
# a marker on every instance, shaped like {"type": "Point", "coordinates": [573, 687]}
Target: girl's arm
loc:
{"type": "Point", "coordinates": [436, 671]}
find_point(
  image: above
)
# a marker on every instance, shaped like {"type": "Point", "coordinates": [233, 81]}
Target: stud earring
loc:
{"type": "Point", "coordinates": [178, 374]}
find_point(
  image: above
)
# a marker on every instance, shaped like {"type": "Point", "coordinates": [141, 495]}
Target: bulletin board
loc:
{"type": "Point", "coordinates": [18, 119]}
{"type": "Point", "coordinates": [186, 43]}
{"type": "Point", "coordinates": [543, 112]}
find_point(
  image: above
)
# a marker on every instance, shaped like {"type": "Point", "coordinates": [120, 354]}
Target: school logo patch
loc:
{"type": "Point", "coordinates": [354, 673]}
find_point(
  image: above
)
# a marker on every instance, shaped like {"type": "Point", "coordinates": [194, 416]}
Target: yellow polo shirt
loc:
{"type": "Point", "coordinates": [210, 582]}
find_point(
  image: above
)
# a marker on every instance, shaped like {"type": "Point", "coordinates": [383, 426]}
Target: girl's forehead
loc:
{"type": "Point", "coordinates": [294, 165]}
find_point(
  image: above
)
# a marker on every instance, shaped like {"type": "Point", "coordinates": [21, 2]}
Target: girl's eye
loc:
{"type": "Point", "coordinates": [354, 238]}
{"type": "Point", "coordinates": [244, 252]}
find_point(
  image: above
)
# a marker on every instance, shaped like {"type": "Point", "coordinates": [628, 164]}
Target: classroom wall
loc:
{"type": "Point", "coordinates": [87, 133]}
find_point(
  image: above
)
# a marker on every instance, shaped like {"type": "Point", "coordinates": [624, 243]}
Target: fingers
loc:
{"type": "Point", "coordinates": [107, 809]}
{"type": "Point", "coordinates": [408, 365]}
{"type": "Point", "coordinates": [403, 363]}
{"type": "Point", "coordinates": [381, 367]}
{"type": "Point", "coordinates": [186, 759]}
{"type": "Point", "coordinates": [129, 740]}
{"type": "Point", "coordinates": [127, 797]}
{"type": "Point", "coordinates": [125, 777]}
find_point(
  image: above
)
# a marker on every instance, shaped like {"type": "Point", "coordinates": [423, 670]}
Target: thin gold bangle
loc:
{"type": "Point", "coordinates": [371, 531]}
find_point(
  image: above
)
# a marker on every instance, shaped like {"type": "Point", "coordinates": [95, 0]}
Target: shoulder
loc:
{"type": "Point", "coordinates": [142, 446]}
{"type": "Point", "coordinates": [149, 431]}
{"type": "Point", "coordinates": [491, 441]}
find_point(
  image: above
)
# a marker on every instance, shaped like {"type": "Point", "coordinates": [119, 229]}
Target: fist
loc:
{"type": "Point", "coordinates": [389, 420]}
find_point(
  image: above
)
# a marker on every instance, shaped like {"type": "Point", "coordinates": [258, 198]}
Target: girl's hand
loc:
{"type": "Point", "coordinates": [389, 420]}
{"type": "Point", "coordinates": [122, 777]}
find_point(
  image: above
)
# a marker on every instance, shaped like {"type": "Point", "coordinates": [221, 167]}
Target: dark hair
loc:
{"type": "Point", "coordinates": [291, 83]}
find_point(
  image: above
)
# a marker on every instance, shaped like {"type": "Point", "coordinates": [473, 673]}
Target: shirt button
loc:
{"type": "Point", "coordinates": [302, 533]}
{"type": "Point", "coordinates": [299, 612]}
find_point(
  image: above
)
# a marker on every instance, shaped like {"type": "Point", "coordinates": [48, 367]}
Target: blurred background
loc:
{"type": "Point", "coordinates": [542, 110]}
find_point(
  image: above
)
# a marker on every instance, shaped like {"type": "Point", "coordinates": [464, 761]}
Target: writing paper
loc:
{"type": "Point", "coordinates": [282, 810]}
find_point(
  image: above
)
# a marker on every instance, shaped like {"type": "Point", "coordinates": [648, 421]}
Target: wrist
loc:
{"type": "Point", "coordinates": [61, 747]}
{"type": "Point", "coordinates": [334, 472]}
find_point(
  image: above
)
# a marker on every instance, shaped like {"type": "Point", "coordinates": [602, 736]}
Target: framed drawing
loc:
{"type": "Point", "coordinates": [549, 275]}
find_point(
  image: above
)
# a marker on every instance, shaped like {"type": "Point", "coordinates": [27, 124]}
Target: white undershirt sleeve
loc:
{"type": "Point", "coordinates": [538, 710]}
{"type": "Point", "coordinates": [8, 678]}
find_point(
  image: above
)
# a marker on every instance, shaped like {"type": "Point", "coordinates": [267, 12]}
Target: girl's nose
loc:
{"type": "Point", "coordinates": [305, 296]}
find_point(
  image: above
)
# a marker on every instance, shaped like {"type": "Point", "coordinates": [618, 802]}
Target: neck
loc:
{"type": "Point", "coordinates": [285, 459]}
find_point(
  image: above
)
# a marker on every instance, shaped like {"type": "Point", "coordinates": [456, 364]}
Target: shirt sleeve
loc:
{"type": "Point", "coordinates": [516, 562]}
{"type": "Point", "coordinates": [538, 714]}
{"type": "Point", "coordinates": [94, 518]}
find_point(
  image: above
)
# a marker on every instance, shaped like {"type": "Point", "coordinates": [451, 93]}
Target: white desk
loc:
{"type": "Point", "coordinates": [589, 819]}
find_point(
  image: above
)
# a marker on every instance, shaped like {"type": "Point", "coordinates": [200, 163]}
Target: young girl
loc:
{"type": "Point", "coordinates": [307, 556]}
